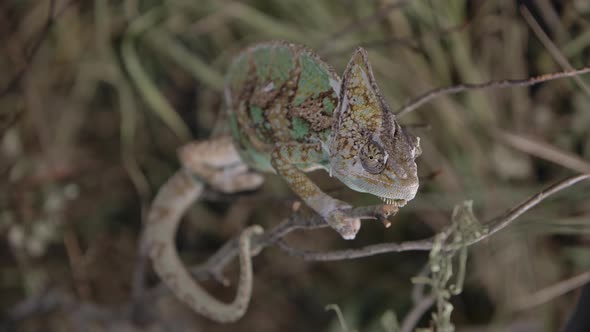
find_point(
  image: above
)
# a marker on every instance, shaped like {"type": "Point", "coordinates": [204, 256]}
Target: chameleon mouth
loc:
{"type": "Point", "coordinates": [393, 201]}
{"type": "Point", "coordinates": [387, 200]}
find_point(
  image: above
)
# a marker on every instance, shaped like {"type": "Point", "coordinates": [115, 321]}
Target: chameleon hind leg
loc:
{"type": "Point", "coordinates": [170, 204]}
{"type": "Point", "coordinates": [217, 162]}
{"type": "Point", "coordinates": [285, 158]}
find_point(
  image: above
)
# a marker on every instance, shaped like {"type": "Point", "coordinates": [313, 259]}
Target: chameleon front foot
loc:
{"type": "Point", "coordinates": [347, 226]}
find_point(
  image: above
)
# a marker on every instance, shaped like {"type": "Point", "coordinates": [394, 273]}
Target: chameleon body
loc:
{"type": "Point", "coordinates": [289, 113]}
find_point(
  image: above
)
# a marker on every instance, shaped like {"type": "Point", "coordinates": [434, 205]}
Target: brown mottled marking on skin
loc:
{"type": "Point", "coordinates": [285, 165]}
{"type": "Point", "coordinates": [263, 98]}
{"type": "Point", "coordinates": [276, 117]}
{"type": "Point", "coordinates": [241, 106]}
{"type": "Point", "coordinates": [312, 110]}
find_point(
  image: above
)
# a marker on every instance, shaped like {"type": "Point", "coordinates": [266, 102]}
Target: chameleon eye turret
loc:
{"type": "Point", "coordinates": [373, 158]}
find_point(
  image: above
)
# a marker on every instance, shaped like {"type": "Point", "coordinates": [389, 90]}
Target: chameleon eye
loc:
{"type": "Point", "coordinates": [373, 157]}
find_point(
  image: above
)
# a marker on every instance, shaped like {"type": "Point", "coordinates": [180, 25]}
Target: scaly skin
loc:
{"type": "Point", "coordinates": [290, 113]}
{"type": "Point", "coordinates": [223, 171]}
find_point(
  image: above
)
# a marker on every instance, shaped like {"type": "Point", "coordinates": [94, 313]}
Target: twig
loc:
{"type": "Point", "coordinates": [543, 150]}
{"type": "Point", "coordinates": [213, 267]}
{"type": "Point", "coordinates": [499, 223]}
{"type": "Point", "coordinates": [415, 103]}
{"type": "Point", "coordinates": [547, 294]}
{"type": "Point", "coordinates": [550, 46]}
{"type": "Point", "coordinates": [416, 313]}
{"type": "Point", "coordinates": [494, 225]}
{"type": "Point", "coordinates": [76, 259]}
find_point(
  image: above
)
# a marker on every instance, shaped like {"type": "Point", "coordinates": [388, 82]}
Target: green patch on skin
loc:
{"type": "Point", "coordinates": [328, 105]}
{"type": "Point", "coordinates": [256, 114]}
{"type": "Point", "coordinates": [258, 160]}
{"type": "Point", "coordinates": [263, 61]}
{"type": "Point", "coordinates": [312, 81]}
{"type": "Point", "coordinates": [300, 128]}
{"type": "Point", "coordinates": [233, 124]}
{"type": "Point", "coordinates": [324, 135]}
{"type": "Point", "coordinates": [282, 64]}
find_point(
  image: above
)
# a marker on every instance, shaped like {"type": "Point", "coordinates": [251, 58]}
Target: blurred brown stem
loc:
{"type": "Point", "coordinates": [547, 294]}
{"type": "Point", "coordinates": [543, 150]}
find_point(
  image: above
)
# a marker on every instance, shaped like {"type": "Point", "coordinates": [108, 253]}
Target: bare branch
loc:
{"type": "Point", "coordinates": [432, 94]}
{"type": "Point", "coordinates": [416, 313]}
{"type": "Point", "coordinates": [543, 150]}
{"type": "Point", "coordinates": [547, 294]}
{"type": "Point", "coordinates": [214, 266]}
{"type": "Point", "coordinates": [494, 225]}
{"type": "Point", "coordinates": [550, 46]}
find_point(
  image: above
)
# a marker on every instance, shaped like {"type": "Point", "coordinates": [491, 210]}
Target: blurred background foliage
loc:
{"type": "Point", "coordinates": [95, 97]}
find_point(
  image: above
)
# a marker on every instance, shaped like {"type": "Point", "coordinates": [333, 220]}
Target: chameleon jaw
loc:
{"type": "Point", "coordinates": [392, 201]}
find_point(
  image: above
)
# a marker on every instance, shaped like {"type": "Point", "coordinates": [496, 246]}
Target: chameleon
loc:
{"type": "Point", "coordinates": [289, 113]}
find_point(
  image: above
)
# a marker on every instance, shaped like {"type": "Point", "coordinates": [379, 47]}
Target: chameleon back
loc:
{"type": "Point", "coordinates": [279, 92]}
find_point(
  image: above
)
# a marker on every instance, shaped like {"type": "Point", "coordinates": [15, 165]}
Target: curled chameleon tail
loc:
{"type": "Point", "coordinates": [168, 207]}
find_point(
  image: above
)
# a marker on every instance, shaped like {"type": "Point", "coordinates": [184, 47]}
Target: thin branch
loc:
{"type": "Point", "coordinates": [213, 267]}
{"type": "Point", "coordinates": [499, 223]}
{"type": "Point", "coordinates": [412, 318]}
{"type": "Point", "coordinates": [432, 94]}
{"type": "Point", "coordinates": [547, 294]}
{"type": "Point", "coordinates": [550, 46]}
{"type": "Point", "coordinates": [494, 225]}
{"type": "Point", "coordinates": [544, 150]}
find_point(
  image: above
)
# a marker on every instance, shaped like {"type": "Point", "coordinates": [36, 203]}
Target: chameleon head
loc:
{"type": "Point", "coordinates": [369, 151]}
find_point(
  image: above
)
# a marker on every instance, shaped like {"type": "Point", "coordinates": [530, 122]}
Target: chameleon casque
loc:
{"type": "Point", "coordinates": [289, 113]}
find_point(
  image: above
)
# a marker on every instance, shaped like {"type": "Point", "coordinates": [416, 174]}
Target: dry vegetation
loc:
{"type": "Point", "coordinates": [95, 96]}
